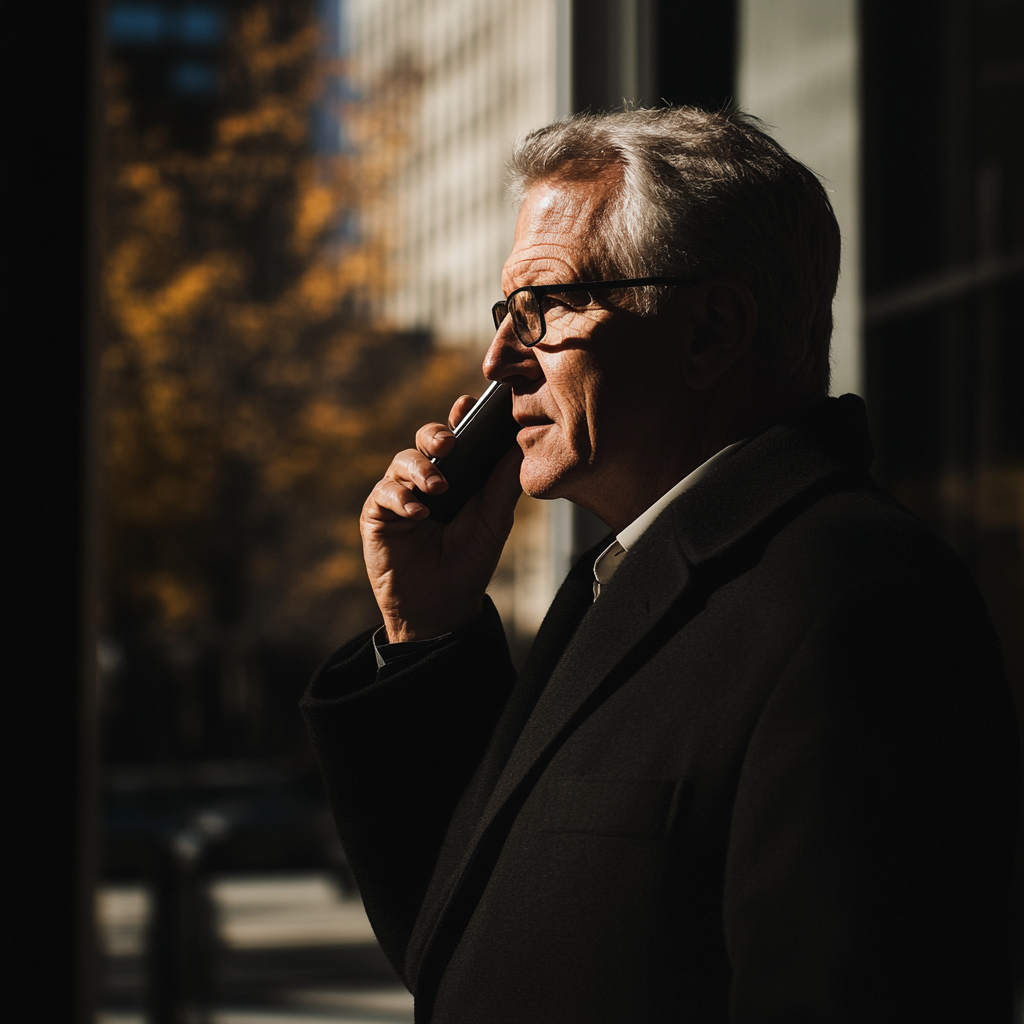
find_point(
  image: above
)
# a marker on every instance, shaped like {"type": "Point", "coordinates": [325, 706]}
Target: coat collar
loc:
{"type": "Point", "coordinates": [823, 438]}
{"type": "Point", "coordinates": [769, 474]}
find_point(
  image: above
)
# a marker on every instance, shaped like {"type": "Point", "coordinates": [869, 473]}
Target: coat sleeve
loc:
{"type": "Point", "coordinates": [396, 748]}
{"type": "Point", "coordinates": [870, 854]}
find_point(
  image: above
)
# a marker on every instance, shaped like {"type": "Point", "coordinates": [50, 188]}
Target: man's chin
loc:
{"type": "Point", "coordinates": [544, 482]}
{"type": "Point", "coordinates": [543, 493]}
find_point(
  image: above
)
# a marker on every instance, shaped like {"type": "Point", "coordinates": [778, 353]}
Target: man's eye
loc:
{"type": "Point", "coordinates": [571, 300]}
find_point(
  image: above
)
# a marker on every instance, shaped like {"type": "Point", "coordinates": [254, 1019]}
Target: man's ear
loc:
{"type": "Point", "coordinates": [723, 322]}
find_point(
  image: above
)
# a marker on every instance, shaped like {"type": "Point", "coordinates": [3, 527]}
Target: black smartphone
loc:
{"type": "Point", "coordinates": [482, 437]}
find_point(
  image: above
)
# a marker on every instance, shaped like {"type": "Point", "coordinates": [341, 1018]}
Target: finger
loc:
{"type": "Point", "coordinates": [434, 440]}
{"type": "Point", "coordinates": [413, 469]}
{"type": "Point", "coordinates": [389, 500]}
{"type": "Point", "coordinates": [459, 409]}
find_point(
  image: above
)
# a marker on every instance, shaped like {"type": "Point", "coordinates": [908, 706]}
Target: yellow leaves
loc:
{"type": "Point", "coordinates": [323, 434]}
{"type": "Point", "coordinates": [148, 314]}
{"type": "Point", "coordinates": [153, 503]}
{"type": "Point", "coordinates": [155, 210]}
{"type": "Point", "coordinates": [265, 56]}
{"type": "Point", "coordinates": [279, 111]}
{"type": "Point", "coordinates": [346, 531]}
{"type": "Point", "coordinates": [247, 410]}
{"type": "Point", "coordinates": [195, 284]}
{"type": "Point", "coordinates": [316, 212]}
{"type": "Point", "coordinates": [364, 269]}
{"type": "Point", "coordinates": [330, 421]}
{"type": "Point", "coordinates": [140, 177]}
{"type": "Point", "coordinates": [272, 117]}
{"type": "Point", "coordinates": [177, 603]}
{"type": "Point", "coordinates": [319, 290]}
{"type": "Point", "coordinates": [250, 433]}
{"type": "Point", "coordinates": [161, 456]}
{"type": "Point", "coordinates": [340, 570]}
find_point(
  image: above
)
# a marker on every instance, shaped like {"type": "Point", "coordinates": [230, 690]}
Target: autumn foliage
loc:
{"type": "Point", "coordinates": [248, 403]}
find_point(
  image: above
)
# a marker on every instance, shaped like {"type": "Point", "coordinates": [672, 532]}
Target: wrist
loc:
{"type": "Point", "coordinates": [401, 629]}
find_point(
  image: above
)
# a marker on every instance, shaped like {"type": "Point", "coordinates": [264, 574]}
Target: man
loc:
{"type": "Point", "coordinates": [760, 763]}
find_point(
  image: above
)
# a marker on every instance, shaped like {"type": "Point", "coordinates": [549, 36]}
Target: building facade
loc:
{"type": "Point", "coordinates": [476, 74]}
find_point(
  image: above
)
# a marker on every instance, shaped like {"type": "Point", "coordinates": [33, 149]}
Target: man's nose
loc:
{"type": "Point", "coordinates": [507, 358]}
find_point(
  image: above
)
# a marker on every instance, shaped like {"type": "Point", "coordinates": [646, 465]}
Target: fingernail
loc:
{"type": "Point", "coordinates": [413, 507]}
{"type": "Point", "coordinates": [442, 434]}
{"type": "Point", "coordinates": [434, 478]}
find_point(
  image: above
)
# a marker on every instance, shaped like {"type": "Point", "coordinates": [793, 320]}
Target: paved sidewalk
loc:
{"type": "Point", "coordinates": [351, 1006]}
{"type": "Point", "coordinates": [295, 952]}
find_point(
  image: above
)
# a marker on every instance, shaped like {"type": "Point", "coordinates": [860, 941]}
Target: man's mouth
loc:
{"type": "Point", "coordinates": [532, 430]}
{"type": "Point", "coordinates": [531, 420]}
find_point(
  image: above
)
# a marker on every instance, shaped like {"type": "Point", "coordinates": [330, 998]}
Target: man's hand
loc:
{"type": "Point", "coordinates": [429, 578]}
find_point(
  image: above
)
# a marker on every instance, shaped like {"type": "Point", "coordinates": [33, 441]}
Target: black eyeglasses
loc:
{"type": "Point", "coordinates": [525, 307]}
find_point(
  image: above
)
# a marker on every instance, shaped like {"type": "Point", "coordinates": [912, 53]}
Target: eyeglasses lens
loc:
{"type": "Point", "coordinates": [498, 312]}
{"type": "Point", "coordinates": [527, 319]}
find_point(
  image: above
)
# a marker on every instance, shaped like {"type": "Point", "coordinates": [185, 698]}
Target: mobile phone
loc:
{"type": "Point", "coordinates": [482, 437]}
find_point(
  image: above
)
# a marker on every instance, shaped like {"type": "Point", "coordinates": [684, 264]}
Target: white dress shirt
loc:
{"type": "Point", "coordinates": [609, 559]}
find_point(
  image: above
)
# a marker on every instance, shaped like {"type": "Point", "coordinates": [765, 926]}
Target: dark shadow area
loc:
{"type": "Point", "coordinates": [685, 53]}
{"type": "Point", "coordinates": [696, 52]}
{"type": "Point", "coordinates": [47, 625]}
{"type": "Point", "coordinates": [944, 279]}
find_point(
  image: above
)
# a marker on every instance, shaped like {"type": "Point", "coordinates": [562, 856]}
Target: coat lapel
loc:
{"type": "Point", "coordinates": [571, 604]}
{"type": "Point", "coordinates": [641, 594]}
{"type": "Point", "coordinates": [750, 490]}
{"type": "Point", "coordinates": [610, 629]}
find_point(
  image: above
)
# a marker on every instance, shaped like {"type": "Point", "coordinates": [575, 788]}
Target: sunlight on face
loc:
{"type": "Point", "coordinates": [578, 393]}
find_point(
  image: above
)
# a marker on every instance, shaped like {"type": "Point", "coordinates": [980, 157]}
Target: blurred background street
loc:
{"type": "Point", "coordinates": [290, 948]}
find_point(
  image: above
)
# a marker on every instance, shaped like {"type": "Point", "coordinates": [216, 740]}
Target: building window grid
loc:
{"type": "Point", "coordinates": [485, 68]}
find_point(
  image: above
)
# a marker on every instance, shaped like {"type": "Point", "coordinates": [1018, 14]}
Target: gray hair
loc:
{"type": "Point", "coordinates": [700, 194]}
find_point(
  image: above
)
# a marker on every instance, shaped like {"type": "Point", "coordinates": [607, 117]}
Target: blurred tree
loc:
{"type": "Point", "coordinates": [248, 404]}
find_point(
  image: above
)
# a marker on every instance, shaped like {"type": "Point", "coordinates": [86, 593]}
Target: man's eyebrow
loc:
{"type": "Point", "coordinates": [553, 284]}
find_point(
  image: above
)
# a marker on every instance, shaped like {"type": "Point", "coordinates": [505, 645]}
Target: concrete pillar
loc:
{"type": "Point", "coordinates": [797, 69]}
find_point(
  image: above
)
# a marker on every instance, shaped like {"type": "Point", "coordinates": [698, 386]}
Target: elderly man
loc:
{"type": "Point", "coordinates": [760, 763]}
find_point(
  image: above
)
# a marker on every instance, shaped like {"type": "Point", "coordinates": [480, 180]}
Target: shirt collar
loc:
{"type": "Point", "coordinates": [609, 559]}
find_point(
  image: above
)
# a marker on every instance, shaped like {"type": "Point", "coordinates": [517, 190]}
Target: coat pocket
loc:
{"type": "Point", "coordinates": [631, 808]}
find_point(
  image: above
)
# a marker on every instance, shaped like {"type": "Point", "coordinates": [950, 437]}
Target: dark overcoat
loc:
{"type": "Point", "coordinates": [770, 775]}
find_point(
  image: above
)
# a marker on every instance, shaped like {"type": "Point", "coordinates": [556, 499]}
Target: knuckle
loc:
{"type": "Point", "coordinates": [399, 464]}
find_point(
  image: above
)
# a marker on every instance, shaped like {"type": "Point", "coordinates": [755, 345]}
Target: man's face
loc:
{"type": "Point", "coordinates": [602, 379]}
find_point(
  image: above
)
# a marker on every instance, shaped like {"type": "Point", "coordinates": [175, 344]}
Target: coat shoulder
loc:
{"type": "Point", "coordinates": [850, 536]}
